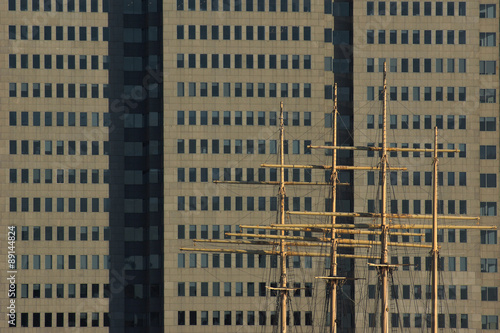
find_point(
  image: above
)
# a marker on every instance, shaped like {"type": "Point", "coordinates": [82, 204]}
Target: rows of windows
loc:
{"type": "Point", "coordinates": [453, 264]}
{"type": "Point", "coordinates": [247, 5]}
{"type": "Point", "coordinates": [238, 289]}
{"type": "Point", "coordinates": [487, 237]}
{"type": "Point", "coordinates": [406, 292]}
{"type": "Point", "coordinates": [22, 61]}
{"type": "Point", "coordinates": [83, 6]}
{"type": "Point", "coordinates": [60, 233]}
{"type": "Point", "coordinates": [488, 322]}
{"type": "Point", "coordinates": [404, 178]}
{"type": "Point", "coordinates": [60, 321]}
{"type": "Point", "coordinates": [440, 65]}
{"type": "Point", "coordinates": [224, 89]}
{"type": "Point", "coordinates": [152, 204]}
{"type": "Point", "coordinates": [452, 8]}
{"type": "Point", "coordinates": [226, 318]}
{"type": "Point", "coordinates": [194, 175]}
{"type": "Point", "coordinates": [251, 147]}
{"type": "Point", "coordinates": [58, 291]}
{"type": "Point", "coordinates": [252, 261]}
{"type": "Point", "coordinates": [85, 147]}
{"type": "Point", "coordinates": [452, 94]}
{"type": "Point", "coordinates": [60, 91]}
{"type": "Point", "coordinates": [486, 208]}
{"type": "Point", "coordinates": [84, 33]}
{"type": "Point", "coordinates": [488, 265]}
{"type": "Point", "coordinates": [216, 234]}
{"type": "Point", "coordinates": [236, 61]}
{"type": "Point", "coordinates": [59, 262]}
{"type": "Point", "coordinates": [35, 118]}
{"type": "Point", "coordinates": [203, 260]}
{"type": "Point", "coordinates": [237, 118]}
{"type": "Point", "coordinates": [84, 176]}
{"type": "Point", "coordinates": [489, 151]}
{"type": "Point", "coordinates": [403, 206]}
{"type": "Point", "coordinates": [425, 37]}
{"type": "Point", "coordinates": [63, 319]}
{"type": "Point", "coordinates": [224, 32]}
{"type": "Point", "coordinates": [193, 203]}
{"type": "Point", "coordinates": [450, 120]}
{"type": "Point", "coordinates": [59, 205]}
{"type": "Point", "coordinates": [396, 321]}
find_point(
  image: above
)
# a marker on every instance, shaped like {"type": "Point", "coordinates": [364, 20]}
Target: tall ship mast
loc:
{"type": "Point", "coordinates": [332, 233]}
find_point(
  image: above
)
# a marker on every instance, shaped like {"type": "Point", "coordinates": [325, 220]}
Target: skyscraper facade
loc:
{"type": "Point", "coordinates": [441, 60]}
{"type": "Point", "coordinates": [121, 116]}
{"type": "Point", "coordinates": [55, 90]}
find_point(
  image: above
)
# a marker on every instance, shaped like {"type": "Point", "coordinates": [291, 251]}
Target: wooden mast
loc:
{"type": "Point", "coordinates": [435, 250]}
{"type": "Point", "coordinates": [333, 250]}
{"type": "Point", "coordinates": [384, 268]}
{"type": "Point", "coordinates": [283, 278]}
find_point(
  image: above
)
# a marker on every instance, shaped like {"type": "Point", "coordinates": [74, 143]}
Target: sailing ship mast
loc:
{"type": "Point", "coordinates": [333, 280]}
{"type": "Point", "coordinates": [384, 268]}
{"type": "Point", "coordinates": [283, 255]}
{"type": "Point", "coordinates": [435, 251]}
{"type": "Point", "coordinates": [333, 248]}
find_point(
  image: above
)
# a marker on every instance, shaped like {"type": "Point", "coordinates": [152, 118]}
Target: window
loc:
{"type": "Point", "coordinates": [489, 265]}
{"type": "Point", "coordinates": [370, 37]}
{"type": "Point", "coordinates": [487, 95]}
{"type": "Point", "coordinates": [488, 237]}
{"type": "Point", "coordinates": [487, 39]}
{"type": "Point", "coordinates": [381, 8]}
{"type": "Point", "coordinates": [488, 208]}
{"type": "Point", "coordinates": [439, 37]}
{"type": "Point", "coordinates": [488, 180]}
{"type": "Point", "coordinates": [284, 33]}
{"type": "Point", "coordinates": [489, 322]}
{"type": "Point", "coordinates": [416, 65]}
{"type": "Point", "coordinates": [416, 8]}
{"type": "Point", "coordinates": [462, 37]}
{"type": "Point", "coordinates": [416, 36]}
{"type": "Point", "coordinates": [489, 294]}
{"type": "Point", "coordinates": [487, 152]}
{"type": "Point", "coordinates": [487, 11]}
{"type": "Point", "coordinates": [416, 122]}
{"type": "Point", "coordinates": [487, 67]}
